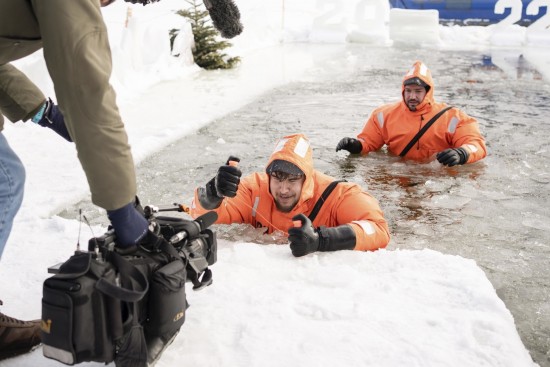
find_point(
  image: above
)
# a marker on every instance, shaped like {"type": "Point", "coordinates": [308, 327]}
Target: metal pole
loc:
{"type": "Point", "coordinates": [283, 16]}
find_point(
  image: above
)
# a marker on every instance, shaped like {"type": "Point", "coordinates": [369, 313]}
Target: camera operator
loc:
{"type": "Point", "coordinates": [77, 53]}
{"type": "Point", "coordinates": [285, 196]}
{"type": "Point", "coordinates": [76, 48]}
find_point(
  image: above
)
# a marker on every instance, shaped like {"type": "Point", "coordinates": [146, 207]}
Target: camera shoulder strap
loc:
{"type": "Point", "coordinates": [422, 131]}
{"type": "Point", "coordinates": [322, 199]}
{"type": "Point", "coordinates": [130, 275]}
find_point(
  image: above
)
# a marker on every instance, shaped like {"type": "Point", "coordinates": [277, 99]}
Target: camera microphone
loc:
{"type": "Point", "coordinates": [225, 16]}
{"type": "Point", "coordinates": [192, 229]}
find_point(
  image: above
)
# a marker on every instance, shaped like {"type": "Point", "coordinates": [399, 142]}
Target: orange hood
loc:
{"type": "Point", "coordinates": [421, 71]}
{"type": "Point", "coordinates": [297, 150]}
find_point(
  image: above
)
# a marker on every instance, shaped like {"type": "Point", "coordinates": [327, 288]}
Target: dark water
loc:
{"type": "Point", "coordinates": [495, 211]}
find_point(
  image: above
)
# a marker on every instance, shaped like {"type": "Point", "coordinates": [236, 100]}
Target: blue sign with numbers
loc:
{"type": "Point", "coordinates": [481, 12]}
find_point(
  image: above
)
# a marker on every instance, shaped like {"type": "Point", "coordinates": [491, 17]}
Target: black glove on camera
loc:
{"type": "Point", "coordinates": [226, 183]}
{"type": "Point", "coordinates": [352, 145]}
{"type": "Point", "coordinates": [306, 239]}
{"type": "Point", "coordinates": [453, 156]}
{"type": "Point", "coordinates": [129, 224]}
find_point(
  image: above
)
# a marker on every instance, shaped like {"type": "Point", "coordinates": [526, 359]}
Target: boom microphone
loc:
{"type": "Point", "coordinates": [225, 16]}
{"type": "Point", "coordinates": [142, 2]}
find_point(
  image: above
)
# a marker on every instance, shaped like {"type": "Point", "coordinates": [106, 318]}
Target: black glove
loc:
{"type": "Point", "coordinates": [53, 118]}
{"type": "Point", "coordinates": [304, 239]}
{"type": "Point", "coordinates": [453, 156]}
{"type": "Point", "coordinates": [129, 224]}
{"type": "Point", "coordinates": [228, 178]}
{"type": "Point", "coordinates": [352, 145]}
{"type": "Point", "coordinates": [226, 183]}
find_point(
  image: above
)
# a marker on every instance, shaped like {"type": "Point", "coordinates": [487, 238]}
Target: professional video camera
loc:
{"type": "Point", "coordinates": [191, 238]}
{"type": "Point", "coordinates": [127, 306]}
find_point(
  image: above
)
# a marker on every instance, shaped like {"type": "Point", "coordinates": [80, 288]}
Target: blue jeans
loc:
{"type": "Point", "coordinates": [12, 184]}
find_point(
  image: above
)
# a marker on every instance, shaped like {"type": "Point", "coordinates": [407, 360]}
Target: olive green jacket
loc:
{"type": "Point", "coordinates": [74, 39]}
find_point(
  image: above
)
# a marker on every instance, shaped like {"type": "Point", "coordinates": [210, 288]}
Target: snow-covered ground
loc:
{"type": "Point", "coordinates": [266, 308]}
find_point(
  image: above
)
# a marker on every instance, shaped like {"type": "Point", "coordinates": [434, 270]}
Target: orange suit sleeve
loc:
{"type": "Point", "coordinates": [371, 137]}
{"type": "Point", "coordinates": [363, 213]}
{"type": "Point", "coordinates": [468, 136]}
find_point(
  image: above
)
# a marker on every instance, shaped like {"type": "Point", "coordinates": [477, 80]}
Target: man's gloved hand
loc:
{"type": "Point", "coordinates": [228, 178]}
{"type": "Point", "coordinates": [352, 145]}
{"type": "Point", "coordinates": [453, 156]}
{"type": "Point", "coordinates": [226, 183]}
{"type": "Point", "coordinates": [304, 239]}
{"type": "Point", "coordinates": [152, 240]}
{"type": "Point", "coordinates": [130, 225]}
{"type": "Point", "coordinates": [50, 116]}
{"type": "Point", "coordinates": [307, 239]}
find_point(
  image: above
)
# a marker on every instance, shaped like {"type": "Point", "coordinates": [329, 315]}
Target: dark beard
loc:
{"type": "Point", "coordinates": [412, 108]}
{"type": "Point", "coordinates": [284, 210]}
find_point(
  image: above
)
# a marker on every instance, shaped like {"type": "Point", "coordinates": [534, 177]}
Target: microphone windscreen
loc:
{"type": "Point", "coordinates": [142, 2]}
{"type": "Point", "coordinates": [225, 16]}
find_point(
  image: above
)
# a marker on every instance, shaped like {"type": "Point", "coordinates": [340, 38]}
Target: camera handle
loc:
{"type": "Point", "coordinates": [149, 210]}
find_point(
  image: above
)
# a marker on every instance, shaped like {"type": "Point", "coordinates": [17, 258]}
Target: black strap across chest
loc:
{"type": "Point", "coordinates": [322, 199]}
{"type": "Point", "coordinates": [422, 131]}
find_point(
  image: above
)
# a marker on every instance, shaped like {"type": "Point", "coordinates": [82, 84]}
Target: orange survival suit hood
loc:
{"type": "Point", "coordinates": [420, 70]}
{"type": "Point", "coordinates": [296, 149]}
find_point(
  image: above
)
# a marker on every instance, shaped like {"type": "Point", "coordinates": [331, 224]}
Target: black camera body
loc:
{"type": "Point", "coordinates": [109, 304]}
{"type": "Point", "coordinates": [192, 239]}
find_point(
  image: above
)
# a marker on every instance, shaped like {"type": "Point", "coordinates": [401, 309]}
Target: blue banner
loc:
{"type": "Point", "coordinates": [476, 12]}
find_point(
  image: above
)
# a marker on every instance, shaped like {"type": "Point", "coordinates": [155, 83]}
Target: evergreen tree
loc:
{"type": "Point", "coordinates": [207, 48]}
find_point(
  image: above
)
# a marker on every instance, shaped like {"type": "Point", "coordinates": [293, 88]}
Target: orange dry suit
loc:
{"type": "Point", "coordinates": [395, 125]}
{"type": "Point", "coordinates": [347, 204]}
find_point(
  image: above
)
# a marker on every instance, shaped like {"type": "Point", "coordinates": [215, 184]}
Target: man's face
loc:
{"type": "Point", "coordinates": [286, 190]}
{"type": "Point", "coordinates": [413, 96]}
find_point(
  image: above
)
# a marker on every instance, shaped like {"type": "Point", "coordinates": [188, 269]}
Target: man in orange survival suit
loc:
{"type": "Point", "coordinates": [454, 138]}
{"type": "Point", "coordinates": [288, 191]}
